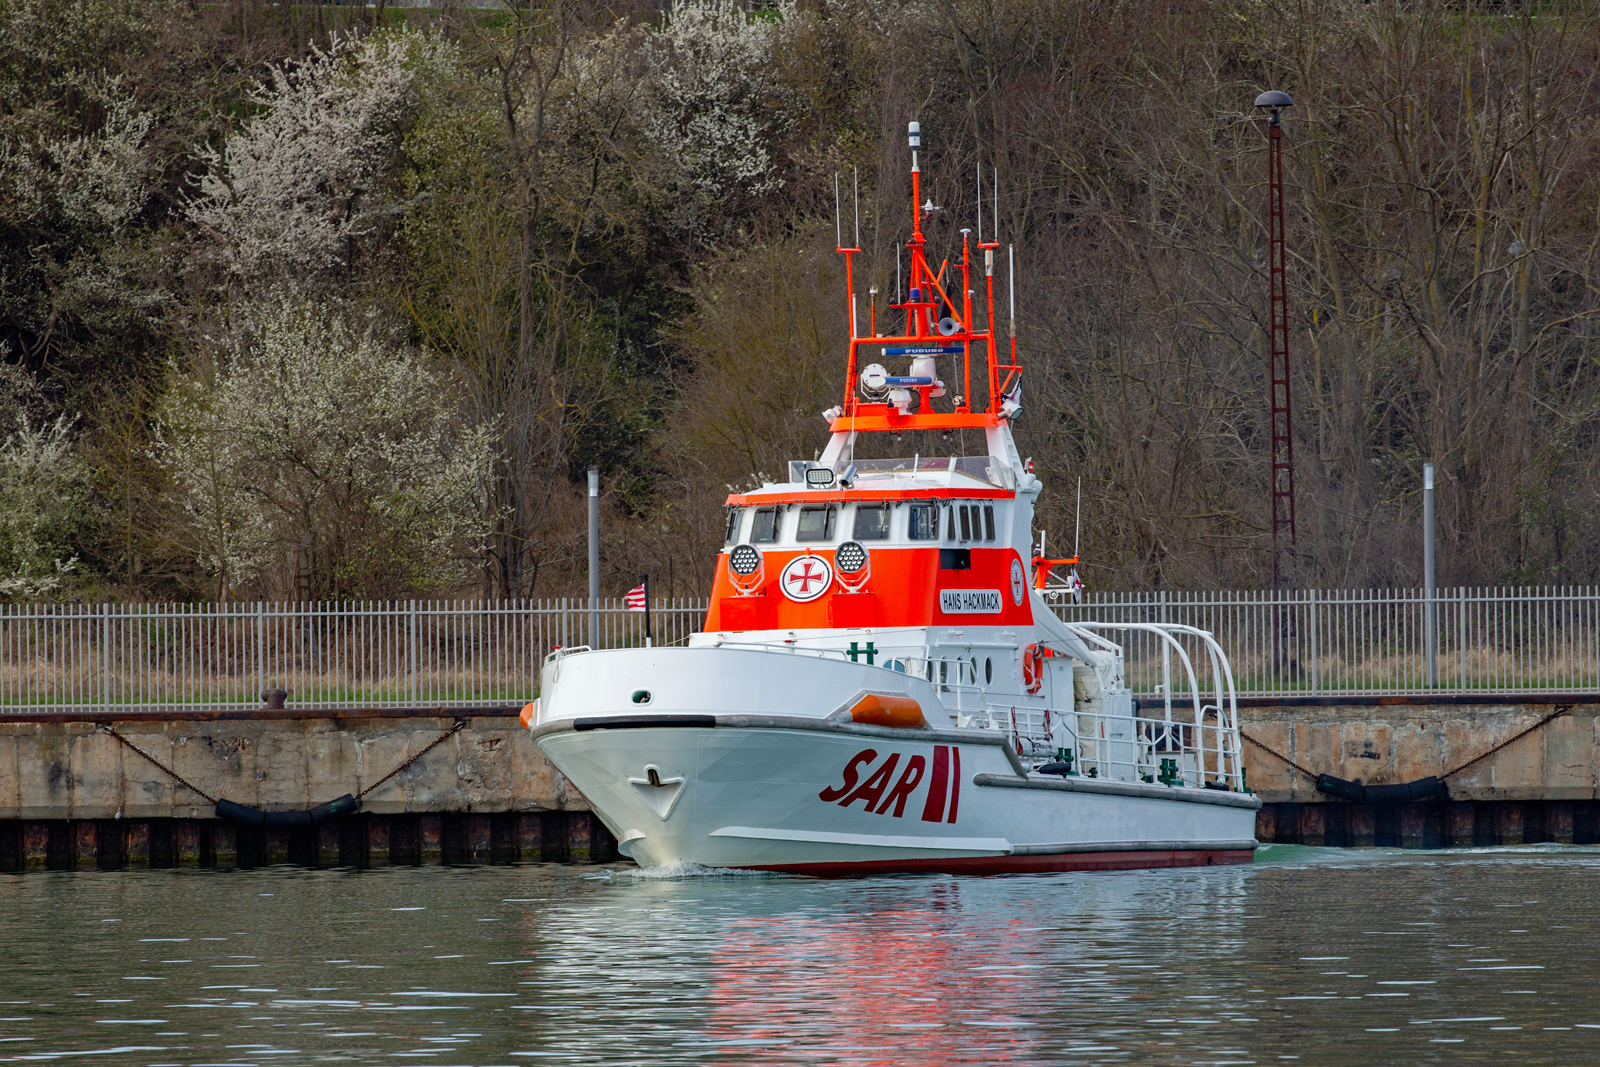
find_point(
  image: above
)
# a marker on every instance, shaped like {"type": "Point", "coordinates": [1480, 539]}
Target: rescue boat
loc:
{"type": "Point", "coordinates": [882, 684]}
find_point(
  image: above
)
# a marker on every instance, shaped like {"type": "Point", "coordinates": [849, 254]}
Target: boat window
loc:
{"type": "Point", "coordinates": [872, 523]}
{"type": "Point", "coordinates": [735, 518]}
{"type": "Point", "coordinates": [765, 529]}
{"type": "Point", "coordinates": [816, 523]}
{"type": "Point", "coordinates": [924, 522]}
{"type": "Point", "coordinates": [988, 670]}
{"type": "Point", "coordinates": [966, 524]}
{"type": "Point", "coordinates": [988, 522]}
{"type": "Point", "coordinates": [949, 524]}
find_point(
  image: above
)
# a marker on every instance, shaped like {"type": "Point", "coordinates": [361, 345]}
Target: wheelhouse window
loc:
{"type": "Point", "coordinates": [966, 522]}
{"type": "Point", "coordinates": [923, 523]}
{"type": "Point", "coordinates": [765, 529]}
{"type": "Point", "coordinates": [735, 519]}
{"type": "Point", "coordinates": [988, 522]}
{"type": "Point", "coordinates": [872, 523]}
{"type": "Point", "coordinates": [949, 524]}
{"type": "Point", "coordinates": [816, 523]}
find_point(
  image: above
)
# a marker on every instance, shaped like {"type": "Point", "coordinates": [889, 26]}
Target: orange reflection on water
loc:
{"type": "Point", "coordinates": [880, 987]}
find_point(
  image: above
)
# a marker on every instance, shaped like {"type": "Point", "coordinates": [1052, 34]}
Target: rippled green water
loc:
{"type": "Point", "coordinates": [1309, 956]}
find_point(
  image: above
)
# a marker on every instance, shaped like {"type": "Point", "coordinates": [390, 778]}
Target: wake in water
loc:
{"type": "Point", "coordinates": [678, 871]}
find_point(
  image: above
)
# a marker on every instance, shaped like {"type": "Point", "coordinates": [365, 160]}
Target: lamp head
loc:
{"type": "Point", "coordinates": [1274, 100]}
{"type": "Point", "coordinates": [914, 134]}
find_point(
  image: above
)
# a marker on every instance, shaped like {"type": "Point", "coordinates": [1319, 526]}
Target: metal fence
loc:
{"type": "Point", "coordinates": [326, 655]}
{"type": "Point", "coordinates": [1363, 642]}
{"type": "Point", "coordinates": [460, 653]}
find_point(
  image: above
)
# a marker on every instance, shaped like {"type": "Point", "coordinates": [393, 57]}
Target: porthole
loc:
{"type": "Point", "coordinates": [988, 670]}
{"type": "Point", "coordinates": [641, 696]}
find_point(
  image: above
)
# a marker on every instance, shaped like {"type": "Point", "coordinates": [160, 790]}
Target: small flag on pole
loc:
{"type": "Point", "coordinates": [638, 599]}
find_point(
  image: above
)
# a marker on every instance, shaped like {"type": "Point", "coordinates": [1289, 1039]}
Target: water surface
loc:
{"type": "Point", "coordinates": [1309, 956]}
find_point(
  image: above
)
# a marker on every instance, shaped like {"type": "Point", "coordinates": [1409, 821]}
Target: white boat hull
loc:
{"type": "Point", "coordinates": [827, 798]}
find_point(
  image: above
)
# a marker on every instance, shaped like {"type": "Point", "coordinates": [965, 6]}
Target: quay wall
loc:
{"type": "Point", "coordinates": [73, 795]}
{"type": "Point", "coordinates": [1544, 786]}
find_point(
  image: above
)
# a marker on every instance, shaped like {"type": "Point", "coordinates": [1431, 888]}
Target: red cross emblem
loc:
{"type": "Point", "coordinates": [806, 578]}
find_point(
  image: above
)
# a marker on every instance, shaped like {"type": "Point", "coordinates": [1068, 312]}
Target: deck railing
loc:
{"type": "Point", "coordinates": [461, 653]}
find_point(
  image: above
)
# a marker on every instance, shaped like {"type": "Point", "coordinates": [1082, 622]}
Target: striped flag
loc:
{"type": "Point", "coordinates": [637, 598]}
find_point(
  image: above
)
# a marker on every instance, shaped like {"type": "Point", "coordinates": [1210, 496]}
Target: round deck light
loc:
{"type": "Point", "coordinates": [850, 557]}
{"type": "Point", "coordinates": [744, 560]}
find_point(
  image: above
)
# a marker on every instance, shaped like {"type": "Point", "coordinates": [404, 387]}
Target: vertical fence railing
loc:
{"type": "Point", "coordinates": [333, 655]}
{"type": "Point", "coordinates": [1354, 642]}
{"type": "Point", "coordinates": [456, 653]}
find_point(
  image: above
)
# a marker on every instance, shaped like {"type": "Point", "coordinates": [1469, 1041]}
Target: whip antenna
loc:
{"type": "Point", "coordinates": [838, 226]}
{"type": "Point", "coordinates": [1077, 522]}
{"type": "Point", "coordinates": [1011, 284]}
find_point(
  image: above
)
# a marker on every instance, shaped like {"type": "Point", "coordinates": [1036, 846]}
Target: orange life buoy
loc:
{"type": "Point", "coordinates": [1033, 667]}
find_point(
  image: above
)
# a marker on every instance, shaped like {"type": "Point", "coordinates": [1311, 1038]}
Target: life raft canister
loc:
{"type": "Point", "coordinates": [1033, 658]}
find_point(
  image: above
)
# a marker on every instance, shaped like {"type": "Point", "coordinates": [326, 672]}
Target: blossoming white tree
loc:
{"type": "Point", "coordinates": [291, 191]}
{"type": "Point", "coordinates": [314, 434]}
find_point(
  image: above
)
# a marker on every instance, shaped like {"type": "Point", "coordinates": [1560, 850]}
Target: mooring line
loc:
{"type": "Point", "coordinates": [1278, 755]}
{"type": "Point", "coordinates": [435, 743]}
{"type": "Point", "coordinates": [181, 780]}
{"type": "Point", "coordinates": [107, 728]}
{"type": "Point", "coordinates": [1562, 710]}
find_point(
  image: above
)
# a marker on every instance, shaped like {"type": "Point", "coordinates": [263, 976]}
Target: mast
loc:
{"type": "Point", "coordinates": [881, 392]}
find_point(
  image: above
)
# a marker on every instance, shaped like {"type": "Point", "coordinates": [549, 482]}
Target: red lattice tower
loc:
{"type": "Point", "coordinates": [1283, 518]}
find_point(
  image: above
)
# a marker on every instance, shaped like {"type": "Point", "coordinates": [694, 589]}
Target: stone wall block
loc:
{"type": "Point", "coordinates": [44, 774]}
{"type": "Point", "coordinates": [1568, 758]}
{"type": "Point", "coordinates": [12, 744]}
{"type": "Point", "coordinates": [282, 783]}
{"type": "Point", "coordinates": [331, 764]}
{"type": "Point", "coordinates": [1317, 746]}
{"type": "Point", "coordinates": [1366, 752]}
{"type": "Point", "coordinates": [91, 771]}
{"type": "Point", "coordinates": [191, 756]}
{"type": "Point", "coordinates": [1418, 750]}
{"type": "Point", "coordinates": [376, 756]}
{"type": "Point", "coordinates": [1518, 770]}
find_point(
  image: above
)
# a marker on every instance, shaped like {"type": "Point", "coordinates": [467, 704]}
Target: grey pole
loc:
{"type": "Point", "coordinates": [1430, 635]}
{"type": "Point", "coordinates": [594, 558]}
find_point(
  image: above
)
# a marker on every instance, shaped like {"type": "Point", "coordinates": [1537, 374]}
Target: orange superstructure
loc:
{"type": "Point", "coordinates": [933, 541]}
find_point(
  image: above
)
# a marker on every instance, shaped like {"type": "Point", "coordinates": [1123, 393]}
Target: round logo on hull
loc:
{"type": "Point", "coordinates": [806, 578]}
{"type": "Point", "coordinates": [1019, 582]}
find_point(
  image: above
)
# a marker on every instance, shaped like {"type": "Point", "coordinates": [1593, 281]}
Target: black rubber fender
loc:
{"type": "Point", "coordinates": [244, 815]}
{"type": "Point", "coordinates": [1430, 788]}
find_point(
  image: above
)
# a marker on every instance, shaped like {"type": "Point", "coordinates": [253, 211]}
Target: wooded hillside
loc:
{"type": "Point", "coordinates": [341, 302]}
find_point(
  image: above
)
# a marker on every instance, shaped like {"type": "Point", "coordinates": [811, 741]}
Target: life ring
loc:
{"type": "Point", "coordinates": [1033, 667]}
